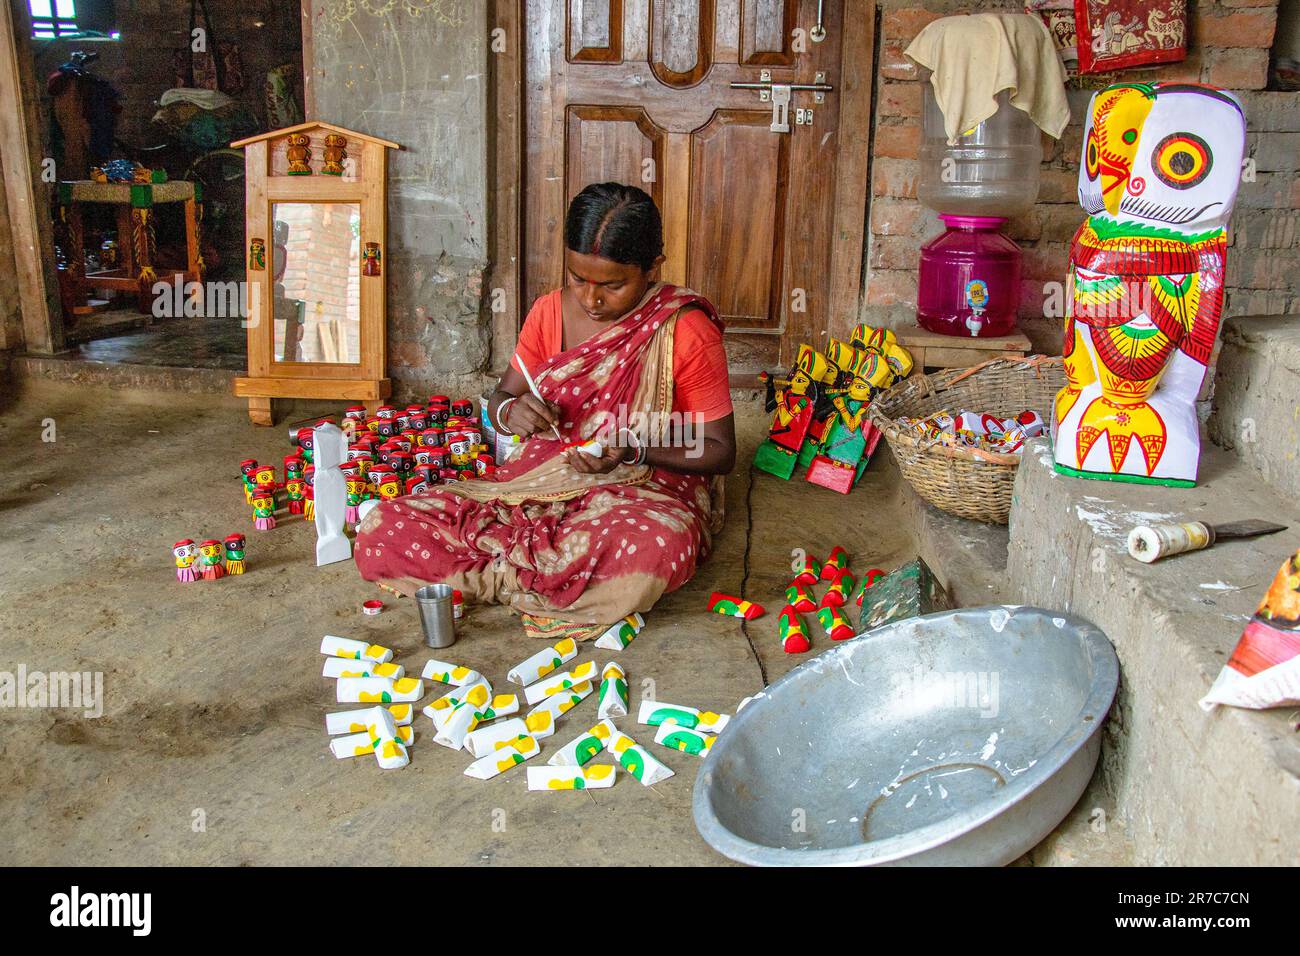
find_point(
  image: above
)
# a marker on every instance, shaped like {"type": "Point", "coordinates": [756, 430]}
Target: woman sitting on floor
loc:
{"type": "Point", "coordinates": [575, 541]}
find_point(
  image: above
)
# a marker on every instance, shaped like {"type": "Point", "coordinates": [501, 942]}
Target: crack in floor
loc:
{"type": "Point", "coordinates": [744, 577]}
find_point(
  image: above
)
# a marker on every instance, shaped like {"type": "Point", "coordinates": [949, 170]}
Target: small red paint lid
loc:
{"type": "Point", "coordinates": [456, 597]}
{"type": "Point", "coordinates": [372, 607]}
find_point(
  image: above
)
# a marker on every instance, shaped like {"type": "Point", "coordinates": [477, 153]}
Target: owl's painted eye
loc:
{"type": "Point", "coordinates": [1182, 160]}
{"type": "Point", "coordinates": [1092, 155]}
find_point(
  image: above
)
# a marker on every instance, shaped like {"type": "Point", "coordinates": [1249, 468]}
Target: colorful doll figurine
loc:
{"type": "Point", "coordinates": [356, 489]}
{"type": "Point", "coordinates": [885, 343]}
{"type": "Point", "coordinates": [212, 559]}
{"type": "Point", "coordinates": [309, 493]}
{"type": "Point", "coordinates": [459, 450]}
{"type": "Point", "coordinates": [185, 552]}
{"type": "Point", "coordinates": [293, 465]}
{"type": "Point", "coordinates": [235, 547]}
{"type": "Point", "coordinates": [305, 440]}
{"type": "Point", "coordinates": [402, 463]}
{"type": "Point", "coordinates": [849, 439]}
{"type": "Point", "coordinates": [265, 477]}
{"type": "Point", "coordinates": [793, 408]}
{"type": "Point", "coordinates": [1158, 178]}
{"type": "Point", "coordinates": [370, 257]}
{"type": "Point", "coordinates": [389, 485]}
{"type": "Point", "coordinates": [247, 467]}
{"type": "Point", "coordinates": [264, 508]}
{"type": "Point", "coordinates": [355, 413]}
{"type": "Point", "coordinates": [295, 491]}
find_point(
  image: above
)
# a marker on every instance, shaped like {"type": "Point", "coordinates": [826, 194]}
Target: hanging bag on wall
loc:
{"type": "Point", "coordinates": [219, 67]}
{"type": "Point", "coordinates": [1119, 34]}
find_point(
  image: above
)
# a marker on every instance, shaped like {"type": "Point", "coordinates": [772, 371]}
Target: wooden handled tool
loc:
{"type": "Point", "coordinates": [1149, 543]}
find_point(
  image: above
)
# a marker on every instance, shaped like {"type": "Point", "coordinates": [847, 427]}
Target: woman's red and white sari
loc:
{"type": "Point", "coordinates": [552, 542]}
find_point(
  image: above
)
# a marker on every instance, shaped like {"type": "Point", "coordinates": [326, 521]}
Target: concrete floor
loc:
{"type": "Point", "coordinates": [213, 696]}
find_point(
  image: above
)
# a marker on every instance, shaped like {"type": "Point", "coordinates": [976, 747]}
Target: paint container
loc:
{"type": "Point", "coordinates": [372, 607]}
{"type": "Point", "coordinates": [436, 615]}
{"type": "Point", "coordinates": [457, 605]}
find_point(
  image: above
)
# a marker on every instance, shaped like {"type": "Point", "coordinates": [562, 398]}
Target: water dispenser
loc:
{"type": "Point", "coordinates": [969, 280]}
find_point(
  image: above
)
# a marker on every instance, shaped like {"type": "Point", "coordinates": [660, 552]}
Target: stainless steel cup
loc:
{"type": "Point", "coordinates": [434, 602]}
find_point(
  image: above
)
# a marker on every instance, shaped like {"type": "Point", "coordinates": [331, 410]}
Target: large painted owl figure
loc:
{"type": "Point", "coordinates": [1158, 177]}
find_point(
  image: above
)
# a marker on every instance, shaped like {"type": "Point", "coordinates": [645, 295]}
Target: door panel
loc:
{"type": "Point", "coordinates": [641, 92]}
{"type": "Point", "coordinates": [595, 31]}
{"type": "Point", "coordinates": [681, 40]}
{"type": "Point", "coordinates": [612, 144]}
{"type": "Point", "coordinates": [766, 32]}
{"type": "Point", "coordinates": [734, 259]}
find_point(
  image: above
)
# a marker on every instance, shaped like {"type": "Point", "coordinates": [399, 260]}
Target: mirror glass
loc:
{"type": "Point", "coordinates": [316, 282]}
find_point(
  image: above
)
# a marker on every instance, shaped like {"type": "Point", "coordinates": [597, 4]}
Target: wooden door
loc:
{"type": "Point", "coordinates": [767, 224]}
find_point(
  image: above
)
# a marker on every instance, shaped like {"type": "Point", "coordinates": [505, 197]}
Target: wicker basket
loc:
{"type": "Point", "coordinates": [967, 482]}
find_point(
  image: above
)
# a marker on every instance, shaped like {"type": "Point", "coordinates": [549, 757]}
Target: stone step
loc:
{"type": "Point", "coordinates": [1189, 787]}
{"type": "Point", "coordinates": [1256, 412]}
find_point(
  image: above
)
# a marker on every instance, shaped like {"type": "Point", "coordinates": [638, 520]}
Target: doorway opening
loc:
{"type": "Point", "coordinates": [137, 104]}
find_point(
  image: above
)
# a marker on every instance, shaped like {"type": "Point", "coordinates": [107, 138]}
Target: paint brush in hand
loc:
{"type": "Point", "coordinates": [532, 387]}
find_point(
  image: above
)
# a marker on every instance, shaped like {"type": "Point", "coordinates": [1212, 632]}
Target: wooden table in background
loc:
{"type": "Point", "coordinates": [135, 272]}
{"type": "Point", "coordinates": [932, 350]}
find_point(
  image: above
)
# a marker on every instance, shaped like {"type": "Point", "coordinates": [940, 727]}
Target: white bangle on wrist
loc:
{"type": "Point", "coordinates": [501, 418]}
{"type": "Point", "coordinates": [629, 439]}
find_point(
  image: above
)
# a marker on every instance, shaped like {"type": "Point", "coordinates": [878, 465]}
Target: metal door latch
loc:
{"type": "Point", "coordinates": [780, 108]}
{"type": "Point", "coordinates": [779, 95]}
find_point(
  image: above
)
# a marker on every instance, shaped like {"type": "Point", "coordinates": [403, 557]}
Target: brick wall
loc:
{"type": "Point", "coordinates": [1229, 47]}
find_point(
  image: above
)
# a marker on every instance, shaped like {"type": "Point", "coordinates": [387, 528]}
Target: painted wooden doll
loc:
{"type": "Point", "coordinates": [265, 477]}
{"type": "Point", "coordinates": [305, 441]}
{"type": "Point", "coordinates": [264, 508]}
{"type": "Point", "coordinates": [389, 485]}
{"type": "Point", "coordinates": [356, 489]}
{"type": "Point", "coordinates": [1158, 178]}
{"type": "Point", "coordinates": [186, 553]}
{"type": "Point", "coordinates": [295, 492]}
{"type": "Point", "coordinates": [793, 407]}
{"type": "Point", "coordinates": [849, 439]}
{"type": "Point", "coordinates": [247, 468]}
{"type": "Point", "coordinates": [212, 559]}
{"type": "Point", "coordinates": [235, 550]}
{"type": "Point", "coordinates": [885, 343]}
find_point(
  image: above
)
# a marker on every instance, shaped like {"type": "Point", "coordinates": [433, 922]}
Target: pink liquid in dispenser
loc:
{"type": "Point", "coordinates": [969, 279]}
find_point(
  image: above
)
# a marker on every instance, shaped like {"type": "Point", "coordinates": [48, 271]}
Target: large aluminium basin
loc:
{"type": "Point", "coordinates": [959, 738]}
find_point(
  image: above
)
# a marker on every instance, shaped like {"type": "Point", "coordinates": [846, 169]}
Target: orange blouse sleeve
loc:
{"type": "Point", "coordinates": [700, 384]}
{"type": "Point", "coordinates": [540, 336]}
